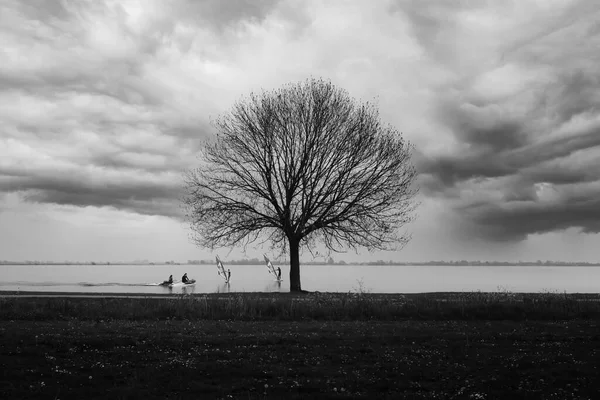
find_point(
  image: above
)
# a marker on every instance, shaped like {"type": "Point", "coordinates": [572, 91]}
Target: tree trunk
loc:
{"type": "Point", "coordinates": [295, 265]}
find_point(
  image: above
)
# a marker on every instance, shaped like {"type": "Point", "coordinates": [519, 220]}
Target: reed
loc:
{"type": "Point", "coordinates": [311, 306]}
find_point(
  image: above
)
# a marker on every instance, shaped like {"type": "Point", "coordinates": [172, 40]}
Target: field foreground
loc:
{"type": "Point", "coordinates": [104, 354]}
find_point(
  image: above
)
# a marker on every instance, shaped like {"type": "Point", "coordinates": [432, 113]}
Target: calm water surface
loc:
{"type": "Point", "coordinates": [324, 278]}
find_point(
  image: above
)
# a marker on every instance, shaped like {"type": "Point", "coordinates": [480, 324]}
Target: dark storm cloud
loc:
{"type": "Point", "coordinates": [517, 156]}
{"type": "Point", "coordinates": [578, 94]}
{"type": "Point", "coordinates": [491, 157]}
{"type": "Point", "coordinates": [143, 197]}
{"type": "Point", "coordinates": [527, 133]}
{"type": "Point", "coordinates": [223, 14]}
{"type": "Point", "coordinates": [142, 182]}
{"type": "Point", "coordinates": [479, 128]}
{"type": "Point", "coordinates": [446, 171]}
{"type": "Point", "coordinates": [95, 198]}
{"type": "Point", "coordinates": [564, 173]}
{"type": "Point", "coordinates": [513, 222]}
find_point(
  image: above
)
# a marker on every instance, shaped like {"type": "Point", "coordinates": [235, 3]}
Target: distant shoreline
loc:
{"type": "Point", "coordinates": [391, 264]}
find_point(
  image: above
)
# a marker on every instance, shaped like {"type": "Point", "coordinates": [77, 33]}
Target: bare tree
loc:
{"type": "Point", "coordinates": [299, 166]}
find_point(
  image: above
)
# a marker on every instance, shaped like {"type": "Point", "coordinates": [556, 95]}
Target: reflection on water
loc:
{"type": "Point", "coordinates": [273, 287]}
{"type": "Point", "coordinates": [224, 288]}
{"type": "Point", "coordinates": [188, 289]}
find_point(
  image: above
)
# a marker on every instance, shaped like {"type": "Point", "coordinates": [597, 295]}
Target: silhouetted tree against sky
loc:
{"type": "Point", "coordinates": [301, 166]}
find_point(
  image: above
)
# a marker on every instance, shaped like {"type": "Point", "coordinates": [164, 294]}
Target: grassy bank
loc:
{"type": "Point", "coordinates": [310, 306]}
{"type": "Point", "coordinates": [315, 345]}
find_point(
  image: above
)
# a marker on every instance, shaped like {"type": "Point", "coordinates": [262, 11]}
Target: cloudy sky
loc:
{"type": "Point", "coordinates": [103, 104]}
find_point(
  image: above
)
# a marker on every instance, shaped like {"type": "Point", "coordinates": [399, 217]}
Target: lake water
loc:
{"type": "Point", "coordinates": [323, 278]}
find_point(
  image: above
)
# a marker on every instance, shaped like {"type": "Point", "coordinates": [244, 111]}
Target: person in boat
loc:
{"type": "Point", "coordinates": [170, 279]}
{"type": "Point", "coordinates": [185, 278]}
{"type": "Point", "coordinates": [278, 273]}
{"type": "Point", "coordinates": [228, 275]}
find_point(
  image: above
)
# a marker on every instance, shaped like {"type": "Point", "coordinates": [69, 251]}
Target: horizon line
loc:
{"type": "Point", "coordinates": [324, 262]}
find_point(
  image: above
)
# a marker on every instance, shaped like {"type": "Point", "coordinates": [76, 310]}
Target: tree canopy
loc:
{"type": "Point", "coordinates": [300, 166]}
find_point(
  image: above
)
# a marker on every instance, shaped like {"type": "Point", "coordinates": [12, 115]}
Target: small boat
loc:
{"type": "Point", "coordinates": [168, 282]}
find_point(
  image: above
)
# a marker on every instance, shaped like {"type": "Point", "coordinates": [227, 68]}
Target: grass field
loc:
{"type": "Point", "coordinates": [445, 346]}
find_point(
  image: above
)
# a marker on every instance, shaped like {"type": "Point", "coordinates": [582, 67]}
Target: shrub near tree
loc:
{"type": "Point", "coordinates": [301, 166]}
